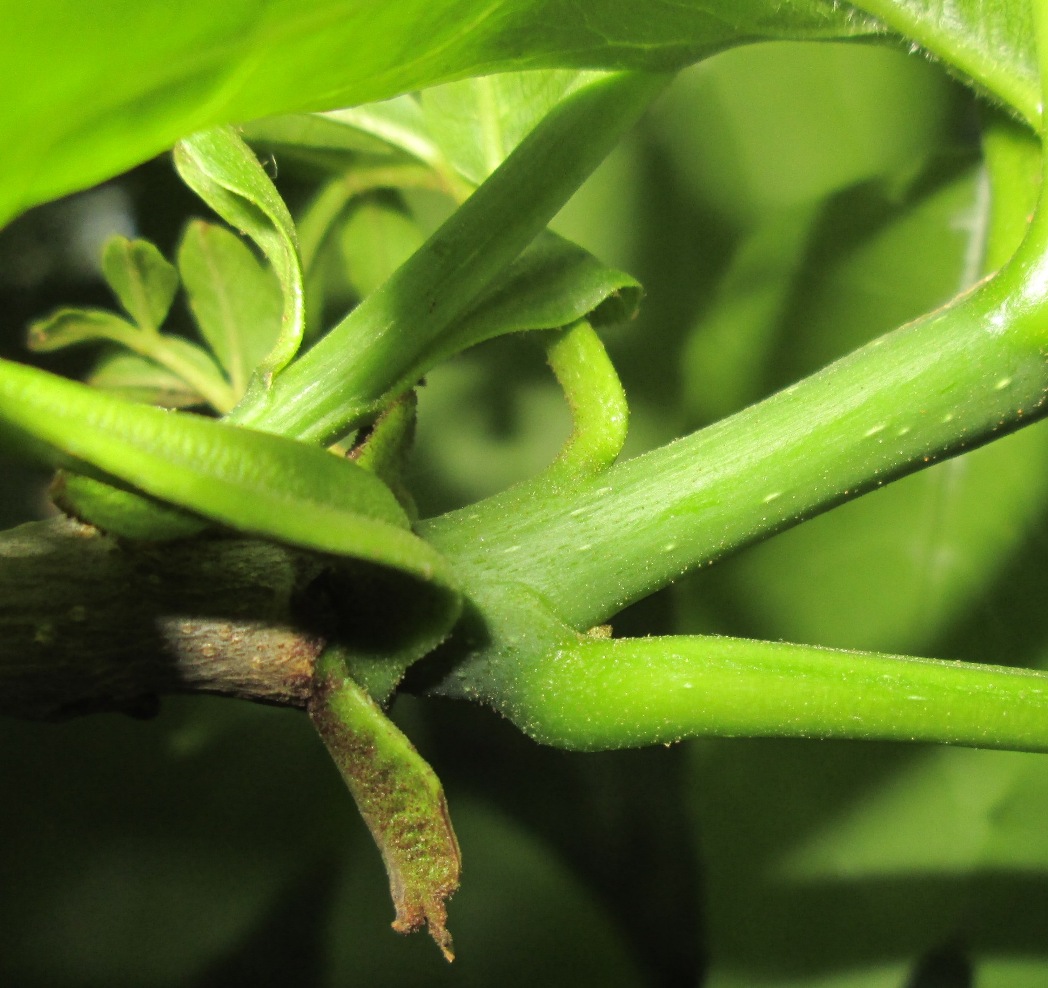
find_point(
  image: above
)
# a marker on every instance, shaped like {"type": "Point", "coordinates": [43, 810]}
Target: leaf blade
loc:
{"type": "Point", "coordinates": [74, 116]}
{"type": "Point", "coordinates": [254, 482]}
{"type": "Point", "coordinates": [224, 172]}
{"type": "Point", "coordinates": [142, 279]}
{"type": "Point", "coordinates": [235, 300]}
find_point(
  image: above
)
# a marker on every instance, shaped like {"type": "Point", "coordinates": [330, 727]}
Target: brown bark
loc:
{"type": "Point", "coordinates": [89, 623]}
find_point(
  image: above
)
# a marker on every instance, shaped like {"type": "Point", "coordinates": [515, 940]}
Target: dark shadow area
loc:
{"type": "Point", "coordinates": [288, 941]}
{"type": "Point", "coordinates": [616, 819]}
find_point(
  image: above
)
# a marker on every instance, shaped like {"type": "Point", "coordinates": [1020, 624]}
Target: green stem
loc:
{"type": "Point", "coordinates": [953, 379]}
{"type": "Point", "coordinates": [337, 383]}
{"type": "Point", "coordinates": [599, 413]}
{"type": "Point", "coordinates": [218, 395]}
{"type": "Point", "coordinates": [593, 695]}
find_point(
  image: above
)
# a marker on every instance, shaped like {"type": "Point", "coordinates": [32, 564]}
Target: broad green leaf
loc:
{"type": "Point", "coordinates": [73, 115]}
{"type": "Point", "coordinates": [143, 281]}
{"type": "Point", "coordinates": [989, 41]}
{"type": "Point", "coordinates": [477, 122]}
{"type": "Point", "coordinates": [235, 300]}
{"type": "Point", "coordinates": [553, 284]}
{"type": "Point", "coordinates": [142, 380]}
{"type": "Point", "coordinates": [398, 123]}
{"type": "Point", "coordinates": [253, 482]}
{"type": "Point", "coordinates": [223, 171]}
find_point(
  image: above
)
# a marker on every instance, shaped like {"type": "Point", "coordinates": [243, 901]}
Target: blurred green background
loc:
{"type": "Point", "coordinates": [782, 204]}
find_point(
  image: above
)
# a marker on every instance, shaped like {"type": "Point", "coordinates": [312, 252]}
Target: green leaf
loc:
{"type": "Point", "coordinates": [235, 300]}
{"type": "Point", "coordinates": [343, 379]}
{"type": "Point", "coordinates": [251, 481]}
{"type": "Point", "coordinates": [73, 115]}
{"type": "Point", "coordinates": [389, 127]}
{"type": "Point", "coordinates": [71, 327]}
{"type": "Point", "coordinates": [143, 281]}
{"type": "Point", "coordinates": [120, 511]}
{"type": "Point", "coordinates": [223, 171]}
{"type": "Point", "coordinates": [553, 284]}
{"type": "Point", "coordinates": [398, 123]}
{"type": "Point", "coordinates": [194, 365]}
{"type": "Point", "coordinates": [477, 122]}
{"type": "Point", "coordinates": [142, 380]}
{"type": "Point", "coordinates": [989, 41]}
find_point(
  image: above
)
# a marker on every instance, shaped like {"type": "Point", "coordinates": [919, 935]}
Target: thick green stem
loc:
{"type": "Point", "coordinates": [337, 383]}
{"type": "Point", "coordinates": [593, 695]}
{"type": "Point", "coordinates": [951, 380]}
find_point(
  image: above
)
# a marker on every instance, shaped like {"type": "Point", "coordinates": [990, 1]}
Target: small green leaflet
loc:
{"type": "Point", "coordinates": [184, 361]}
{"type": "Point", "coordinates": [235, 299]}
{"type": "Point", "coordinates": [143, 281]}
{"type": "Point", "coordinates": [254, 482]}
{"type": "Point", "coordinates": [222, 170]}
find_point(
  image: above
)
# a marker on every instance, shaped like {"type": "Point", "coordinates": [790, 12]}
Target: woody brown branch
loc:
{"type": "Point", "coordinates": [89, 623]}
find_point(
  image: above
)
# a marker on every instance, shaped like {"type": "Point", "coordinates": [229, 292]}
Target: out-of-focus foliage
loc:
{"type": "Point", "coordinates": [780, 205]}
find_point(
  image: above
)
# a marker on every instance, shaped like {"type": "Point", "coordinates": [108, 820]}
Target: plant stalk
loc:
{"type": "Point", "coordinates": [947, 382]}
{"type": "Point", "coordinates": [337, 384]}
